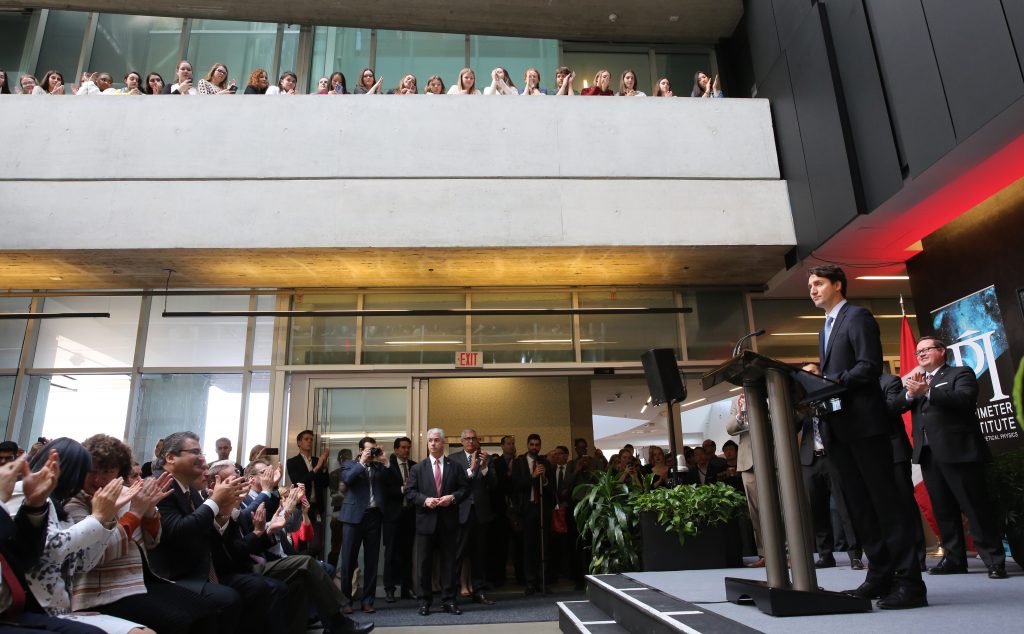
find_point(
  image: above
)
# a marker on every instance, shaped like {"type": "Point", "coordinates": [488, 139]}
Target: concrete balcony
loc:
{"type": "Point", "coordinates": [388, 191]}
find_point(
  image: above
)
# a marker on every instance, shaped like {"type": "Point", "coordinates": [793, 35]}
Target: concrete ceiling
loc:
{"type": "Point", "coordinates": [383, 268]}
{"type": "Point", "coordinates": [695, 21]}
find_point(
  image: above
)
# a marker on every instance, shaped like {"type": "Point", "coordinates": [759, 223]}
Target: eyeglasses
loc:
{"type": "Point", "coordinates": [195, 452]}
{"type": "Point", "coordinates": [470, 438]}
{"type": "Point", "coordinates": [925, 350]}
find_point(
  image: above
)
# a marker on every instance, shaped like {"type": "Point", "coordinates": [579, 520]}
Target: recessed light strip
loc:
{"type": "Point", "coordinates": [430, 312]}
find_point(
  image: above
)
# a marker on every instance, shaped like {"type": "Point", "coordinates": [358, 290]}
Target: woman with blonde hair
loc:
{"type": "Point", "coordinates": [602, 79]}
{"type": "Point", "coordinates": [406, 87]}
{"type": "Point", "coordinates": [216, 82]}
{"type": "Point", "coordinates": [466, 84]}
{"type": "Point", "coordinates": [435, 86]}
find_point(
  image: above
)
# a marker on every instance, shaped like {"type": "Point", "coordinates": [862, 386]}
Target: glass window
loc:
{"type": "Point", "coordinates": [586, 64]}
{"type": "Point", "coordinates": [88, 342]}
{"type": "Point", "coordinates": [680, 69]}
{"type": "Point", "coordinates": [422, 54]}
{"type": "Point", "coordinates": [316, 340]}
{"type": "Point", "coordinates": [76, 406]}
{"type": "Point", "coordinates": [352, 413]}
{"type": "Point", "coordinates": [14, 28]}
{"type": "Point", "coordinates": [62, 45]}
{"type": "Point", "coordinates": [135, 42]}
{"type": "Point", "coordinates": [197, 341]}
{"type": "Point", "coordinates": [626, 337]}
{"type": "Point", "coordinates": [257, 414]}
{"type": "Point", "coordinates": [339, 49]}
{"type": "Point", "coordinates": [241, 46]}
{"type": "Point", "coordinates": [263, 333]}
{"type": "Point", "coordinates": [289, 49]}
{"type": "Point", "coordinates": [413, 339]}
{"type": "Point", "coordinates": [12, 331]}
{"type": "Point", "coordinates": [526, 338]}
{"type": "Point", "coordinates": [718, 321]}
{"type": "Point", "coordinates": [207, 404]}
{"type": "Point", "coordinates": [6, 394]}
{"type": "Point", "coordinates": [514, 54]}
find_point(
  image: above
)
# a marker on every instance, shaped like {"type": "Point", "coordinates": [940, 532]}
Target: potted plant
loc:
{"type": "Point", "coordinates": [691, 527]}
{"type": "Point", "coordinates": [607, 524]}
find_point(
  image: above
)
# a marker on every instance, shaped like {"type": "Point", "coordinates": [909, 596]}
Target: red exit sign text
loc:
{"type": "Point", "coordinates": [469, 360]}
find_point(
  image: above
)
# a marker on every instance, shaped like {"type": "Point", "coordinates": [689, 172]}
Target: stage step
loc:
{"type": "Point", "coordinates": [618, 603]}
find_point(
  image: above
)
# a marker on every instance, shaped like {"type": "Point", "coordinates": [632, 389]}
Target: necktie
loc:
{"type": "Point", "coordinates": [17, 590]}
{"type": "Point", "coordinates": [437, 474]}
{"type": "Point", "coordinates": [828, 329]}
{"type": "Point", "coordinates": [561, 472]}
{"type": "Point", "coordinates": [405, 479]}
{"type": "Point", "coordinates": [928, 379]}
{"type": "Point", "coordinates": [816, 426]}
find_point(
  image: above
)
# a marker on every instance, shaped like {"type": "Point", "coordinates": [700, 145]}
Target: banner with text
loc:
{"type": "Point", "coordinates": [973, 328]}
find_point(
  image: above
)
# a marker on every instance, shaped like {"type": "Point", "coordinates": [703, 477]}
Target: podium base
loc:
{"type": "Point", "coordinates": [789, 602]}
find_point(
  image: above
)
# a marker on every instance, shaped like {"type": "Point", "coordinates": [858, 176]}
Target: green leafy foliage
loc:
{"type": "Point", "coordinates": [1006, 484]}
{"type": "Point", "coordinates": [688, 510]}
{"type": "Point", "coordinates": [607, 523]}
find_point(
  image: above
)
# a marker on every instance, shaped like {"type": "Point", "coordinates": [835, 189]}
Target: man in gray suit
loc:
{"type": "Point", "coordinates": [475, 512]}
{"type": "Point", "coordinates": [739, 426]}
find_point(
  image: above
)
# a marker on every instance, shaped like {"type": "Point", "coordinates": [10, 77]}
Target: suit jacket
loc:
{"type": "Point", "coordinates": [393, 490]}
{"type": "Point", "coordinates": [521, 481]}
{"type": "Point", "coordinates": [421, 486]}
{"type": "Point", "coordinates": [21, 542]}
{"type": "Point", "coordinates": [693, 476]}
{"type": "Point", "coordinates": [480, 487]}
{"type": "Point", "coordinates": [318, 481]}
{"type": "Point", "coordinates": [948, 416]}
{"type": "Point", "coordinates": [187, 535]}
{"type": "Point", "coordinates": [854, 359]}
{"type": "Point", "coordinates": [892, 388]}
{"type": "Point", "coordinates": [357, 478]}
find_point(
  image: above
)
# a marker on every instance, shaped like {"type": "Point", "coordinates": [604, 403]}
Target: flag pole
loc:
{"type": "Point", "coordinates": [903, 310]}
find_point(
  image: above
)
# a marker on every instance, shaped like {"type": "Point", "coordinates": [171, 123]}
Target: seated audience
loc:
{"type": "Point", "coordinates": [368, 85]}
{"type": "Point", "coordinates": [501, 83]}
{"type": "Point", "coordinates": [8, 452]}
{"type": "Point", "coordinates": [663, 88]}
{"type": "Point", "coordinates": [704, 87]}
{"type": "Point", "coordinates": [258, 82]}
{"type": "Point", "coordinates": [531, 83]}
{"type": "Point", "coordinates": [216, 82]}
{"type": "Point", "coordinates": [602, 79]}
{"type": "Point", "coordinates": [627, 85]}
{"type": "Point", "coordinates": [466, 84]}
{"type": "Point", "coordinates": [183, 85]}
{"type": "Point", "coordinates": [285, 84]}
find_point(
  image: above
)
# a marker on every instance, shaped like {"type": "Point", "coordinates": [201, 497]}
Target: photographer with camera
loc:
{"type": "Point", "coordinates": [362, 513]}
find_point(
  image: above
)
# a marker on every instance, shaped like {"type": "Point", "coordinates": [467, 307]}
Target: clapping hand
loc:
{"type": "Point", "coordinates": [270, 477]}
{"type": "Point", "coordinates": [9, 474]}
{"type": "Point", "coordinates": [152, 490]}
{"type": "Point", "coordinates": [39, 485]}
{"type": "Point", "coordinates": [916, 384]}
{"type": "Point", "coordinates": [104, 501]}
{"type": "Point", "coordinates": [259, 520]}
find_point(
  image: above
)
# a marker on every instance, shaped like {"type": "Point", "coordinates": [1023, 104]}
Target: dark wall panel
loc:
{"type": "Point", "coordinates": [764, 39]}
{"type": "Point", "coordinates": [777, 87]}
{"type": "Point", "coordinates": [917, 101]}
{"type": "Point", "coordinates": [1014, 12]}
{"type": "Point", "coordinates": [976, 59]}
{"type": "Point", "coordinates": [824, 141]}
{"type": "Point", "coordinates": [874, 148]}
{"type": "Point", "coordinates": [789, 15]}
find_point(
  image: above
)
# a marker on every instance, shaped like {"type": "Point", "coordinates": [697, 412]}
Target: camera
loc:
{"type": "Point", "coordinates": [376, 452]}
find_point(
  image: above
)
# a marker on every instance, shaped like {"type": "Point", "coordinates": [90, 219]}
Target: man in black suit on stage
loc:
{"type": "Point", "coordinates": [436, 486]}
{"type": "Point", "coordinates": [475, 512]}
{"type": "Point", "coordinates": [312, 472]}
{"type": "Point", "coordinates": [399, 525]}
{"type": "Point", "coordinates": [857, 440]}
{"type": "Point", "coordinates": [530, 480]}
{"type": "Point", "coordinates": [952, 453]}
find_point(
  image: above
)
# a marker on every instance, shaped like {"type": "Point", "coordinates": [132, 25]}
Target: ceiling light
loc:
{"type": "Point", "coordinates": [422, 343]}
{"type": "Point", "coordinates": [736, 388]}
{"type": "Point", "coordinates": [794, 334]}
{"type": "Point", "coordinates": [876, 316]}
{"type": "Point", "coordinates": [673, 18]}
{"type": "Point", "coordinates": [612, 17]}
{"type": "Point", "coordinates": [883, 277]}
{"type": "Point", "coordinates": [644, 408]}
{"type": "Point", "coordinates": [56, 278]}
{"type": "Point", "coordinates": [693, 402]}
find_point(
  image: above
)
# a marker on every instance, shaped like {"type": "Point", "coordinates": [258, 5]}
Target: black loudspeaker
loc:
{"type": "Point", "coordinates": [662, 373]}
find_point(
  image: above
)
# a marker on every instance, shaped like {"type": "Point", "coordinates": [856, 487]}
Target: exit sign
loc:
{"type": "Point", "coordinates": [469, 360]}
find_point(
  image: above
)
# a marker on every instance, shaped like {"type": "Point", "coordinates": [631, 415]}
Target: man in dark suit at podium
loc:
{"type": "Point", "coordinates": [436, 486]}
{"type": "Point", "coordinates": [952, 453]}
{"type": "Point", "coordinates": [857, 441]}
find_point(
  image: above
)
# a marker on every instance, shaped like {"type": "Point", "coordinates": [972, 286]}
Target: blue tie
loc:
{"type": "Point", "coordinates": [828, 329]}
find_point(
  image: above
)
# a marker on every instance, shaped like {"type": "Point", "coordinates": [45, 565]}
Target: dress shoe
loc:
{"type": "Point", "coordinates": [368, 608]}
{"type": "Point", "coordinates": [904, 596]}
{"type": "Point", "coordinates": [825, 562]}
{"type": "Point", "coordinates": [856, 563]}
{"type": "Point", "coordinates": [343, 625]}
{"type": "Point", "coordinates": [452, 608]}
{"type": "Point", "coordinates": [944, 567]}
{"type": "Point", "coordinates": [997, 571]}
{"type": "Point", "coordinates": [407, 594]}
{"type": "Point", "coordinates": [480, 597]}
{"type": "Point", "coordinates": [424, 610]}
{"type": "Point", "coordinates": [389, 596]}
{"type": "Point", "coordinates": [870, 590]}
{"type": "Point", "coordinates": [756, 564]}
{"type": "Point", "coordinates": [347, 609]}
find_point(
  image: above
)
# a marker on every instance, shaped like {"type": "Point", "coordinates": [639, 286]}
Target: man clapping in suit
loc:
{"type": "Point", "coordinates": [475, 513]}
{"type": "Point", "coordinates": [952, 453]}
{"type": "Point", "coordinates": [436, 486]}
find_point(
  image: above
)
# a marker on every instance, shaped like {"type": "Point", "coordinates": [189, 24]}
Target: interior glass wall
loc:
{"type": "Point", "coordinates": [76, 406]}
{"type": "Point", "coordinates": [257, 414]}
{"type": "Point", "coordinates": [62, 45]}
{"type": "Point", "coordinates": [6, 394]}
{"type": "Point", "coordinates": [12, 331]}
{"type": "Point", "coordinates": [197, 341]}
{"type": "Point", "coordinates": [422, 54]}
{"type": "Point", "coordinates": [680, 69]}
{"type": "Point", "coordinates": [317, 340]}
{"type": "Point", "coordinates": [586, 64]}
{"type": "Point", "coordinates": [413, 339]}
{"type": "Point", "coordinates": [88, 342]}
{"type": "Point", "coordinates": [14, 30]}
{"type": "Point", "coordinates": [626, 337]}
{"type": "Point", "coordinates": [718, 321]}
{"type": "Point", "coordinates": [525, 338]}
{"type": "Point", "coordinates": [241, 46]}
{"type": "Point", "coordinates": [135, 42]}
{"type": "Point", "coordinates": [340, 49]}
{"type": "Point", "coordinates": [514, 54]}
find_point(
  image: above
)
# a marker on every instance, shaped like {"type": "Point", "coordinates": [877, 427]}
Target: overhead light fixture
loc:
{"type": "Point", "coordinates": [423, 343]}
{"type": "Point", "coordinates": [552, 341]}
{"type": "Point", "coordinates": [822, 316]}
{"type": "Point", "coordinates": [613, 17]}
{"type": "Point", "coordinates": [430, 312]}
{"type": "Point", "coordinates": [700, 400]}
{"type": "Point", "coordinates": [358, 435]}
{"type": "Point", "coordinates": [794, 334]}
{"type": "Point", "coordinates": [739, 387]}
{"type": "Point", "coordinates": [56, 278]}
{"type": "Point", "coordinates": [51, 315]}
{"type": "Point", "coordinates": [883, 277]}
{"type": "Point", "coordinates": [673, 18]}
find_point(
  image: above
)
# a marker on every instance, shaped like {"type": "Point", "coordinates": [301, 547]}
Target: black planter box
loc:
{"type": "Point", "coordinates": [716, 547]}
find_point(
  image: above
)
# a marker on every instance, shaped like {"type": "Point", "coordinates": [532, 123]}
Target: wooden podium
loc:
{"type": "Point", "coordinates": [784, 507]}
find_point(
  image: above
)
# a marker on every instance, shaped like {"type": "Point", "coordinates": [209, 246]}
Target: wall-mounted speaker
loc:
{"type": "Point", "coordinates": [662, 374]}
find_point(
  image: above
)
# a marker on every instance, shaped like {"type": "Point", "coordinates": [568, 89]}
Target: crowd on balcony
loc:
{"type": "Point", "coordinates": [217, 81]}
